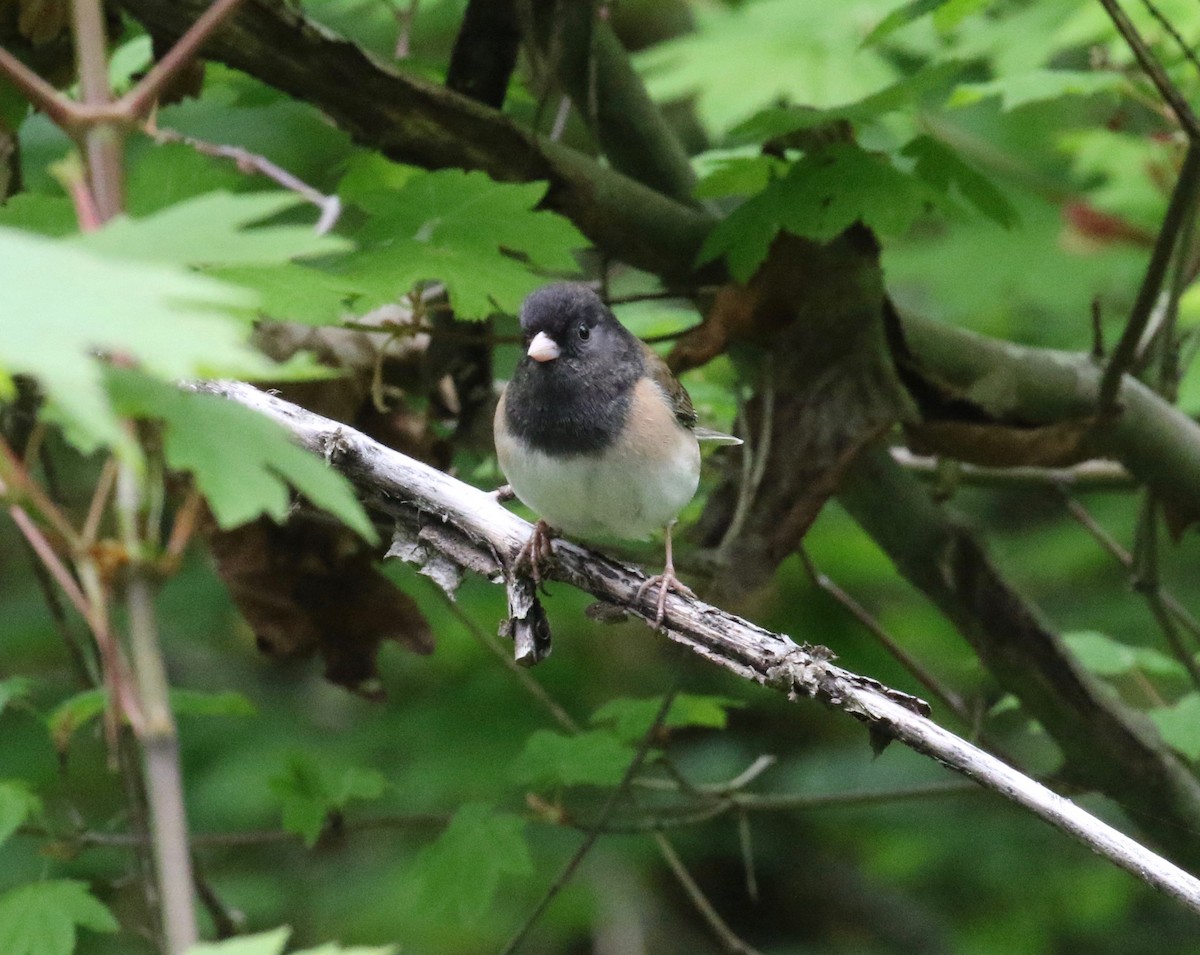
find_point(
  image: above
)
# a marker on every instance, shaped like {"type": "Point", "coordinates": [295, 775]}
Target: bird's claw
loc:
{"type": "Point", "coordinates": [666, 582]}
{"type": "Point", "coordinates": [536, 552]}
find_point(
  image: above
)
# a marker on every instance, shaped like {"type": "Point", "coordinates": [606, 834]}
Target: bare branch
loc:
{"type": "Point", "coordinates": [415, 493]}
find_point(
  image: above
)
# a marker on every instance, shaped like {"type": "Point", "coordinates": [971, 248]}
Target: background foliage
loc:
{"type": "Point", "coordinates": [1015, 166]}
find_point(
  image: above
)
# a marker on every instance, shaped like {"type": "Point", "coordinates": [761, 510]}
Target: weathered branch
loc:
{"type": "Point", "coordinates": [469, 527]}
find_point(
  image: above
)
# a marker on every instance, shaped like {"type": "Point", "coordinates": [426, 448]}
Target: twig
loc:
{"type": "Point", "coordinates": [524, 677]}
{"type": "Point", "coordinates": [589, 840]}
{"type": "Point", "coordinates": [102, 142]}
{"type": "Point", "coordinates": [157, 736]}
{"type": "Point", "coordinates": [1183, 201]}
{"type": "Point", "coordinates": [1146, 582]}
{"type": "Point", "coordinates": [41, 94]}
{"type": "Point", "coordinates": [1170, 28]}
{"type": "Point", "coordinates": [1125, 559]}
{"type": "Point", "coordinates": [104, 485]}
{"type": "Point", "coordinates": [1151, 67]}
{"type": "Point", "coordinates": [954, 703]}
{"type": "Point", "coordinates": [413, 492]}
{"type": "Point", "coordinates": [729, 939]}
{"type": "Point", "coordinates": [137, 101]}
{"type": "Point", "coordinates": [247, 161]}
{"type": "Point", "coordinates": [1088, 476]}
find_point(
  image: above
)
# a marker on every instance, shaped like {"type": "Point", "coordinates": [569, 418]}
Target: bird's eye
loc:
{"type": "Point", "coordinates": [584, 333]}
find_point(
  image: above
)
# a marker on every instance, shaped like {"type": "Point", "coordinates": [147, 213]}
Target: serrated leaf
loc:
{"type": "Point", "coordinates": [263, 943]}
{"type": "Point", "coordinates": [593, 758]}
{"type": "Point", "coordinates": [822, 195]}
{"type": "Point", "coordinates": [243, 462]}
{"type": "Point", "coordinates": [41, 918]}
{"type": "Point", "coordinates": [171, 322]}
{"type": "Point", "coordinates": [309, 792]}
{"type": "Point", "coordinates": [14, 688]}
{"type": "Point", "coordinates": [1106, 657]}
{"type": "Point", "coordinates": [943, 169]}
{"type": "Point", "coordinates": [214, 229]}
{"type": "Point", "coordinates": [459, 873]}
{"type": "Point", "coordinates": [477, 236]}
{"type": "Point", "coordinates": [632, 718]}
{"type": "Point", "coordinates": [1180, 725]}
{"type": "Point", "coordinates": [738, 175]}
{"type": "Point", "coordinates": [791, 46]}
{"type": "Point", "coordinates": [75, 712]}
{"type": "Point", "coordinates": [781, 120]}
{"type": "Point", "coordinates": [17, 804]}
{"type": "Point", "coordinates": [1036, 86]}
{"type": "Point", "coordinates": [902, 16]}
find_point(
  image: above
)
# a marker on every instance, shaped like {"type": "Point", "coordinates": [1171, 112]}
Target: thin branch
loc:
{"type": "Point", "coordinates": [58, 108]}
{"type": "Point", "coordinates": [162, 772]}
{"type": "Point", "coordinates": [1088, 476]}
{"type": "Point", "coordinates": [1180, 209]}
{"type": "Point", "coordinates": [1167, 25]}
{"type": "Point", "coordinates": [415, 493]}
{"type": "Point", "coordinates": [729, 939]}
{"type": "Point", "coordinates": [1146, 582]}
{"type": "Point", "coordinates": [1110, 544]}
{"type": "Point", "coordinates": [954, 703]}
{"type": "Point", "coordinates": [247, 161]}
{"type": "Point", "coordinates": [138, 101]}
{"type": "Point", "coordinates": [1153, 69]}
{"type": "Point", "coordinates": [589, 840]}
{"type": "Point", "coordinates": [103, 142]}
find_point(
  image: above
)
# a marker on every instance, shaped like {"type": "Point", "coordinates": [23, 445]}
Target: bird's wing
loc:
{"type": "Point", "coordinates": [660, 374]}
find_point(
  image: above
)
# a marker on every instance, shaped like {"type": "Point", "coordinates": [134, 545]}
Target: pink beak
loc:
{"type": "Point", "coordinates": [543, 348]}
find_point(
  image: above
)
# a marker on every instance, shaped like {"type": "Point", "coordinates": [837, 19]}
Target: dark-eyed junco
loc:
{"type": "Point", "coordinates": [593, 432]}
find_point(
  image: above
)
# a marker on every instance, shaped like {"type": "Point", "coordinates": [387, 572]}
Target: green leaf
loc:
{"type": "Point", "coordinates": [947, 14]}
{"type": "Point", "coordinates": [781, 120]}
{"type": "Point", "coordinates": [243, 462]}
{"type": "Point", "coordinates": [75, 712]}
{"type": "Point", "coordinates": [1037, 86]}
{"type": "Point", "coordinates": [822, 195]}
{"type": "Point", "coordinates": [942, 168]}
{"type": "Point", "coordinates": [459, 873]}
{"type": "Point", "coordinates": [41, 918]}
{"type": "Point", "coordinates": [264, 943]}
{"type": "Point", "coordinates": [1106, 657]}
{"type": "Point", "coordinates": [791, 46]}
{"type": "Point", "coordinates": [728, 173]}
{"type": "Point", "coordinates": [334, 949]}
{"type": "Point", "coordinates": [14, 688]}
{"type": "Point", "coordinates": [203, 703]}
{"type": "Point", "coordinates": [72, 714]}
{"type": "Point", "coordinates": [309, 792]}
{"type": "Point", "coordinates": [631, 719]}
{"type": "Point", "coordinates": [214, 229]}
{"type": "Point", "coordinates": [17, 804]}
{"type": "Point", "coordinates": [171, 322]}
{"type": "Point", "coordinates": [594, 758]}
{"type": "Point", "coordinates": [1180, 725]}
{"type": "Point", "coordinates": [902, 16]}
{"type": "Point", "coordinates": [479, 237]}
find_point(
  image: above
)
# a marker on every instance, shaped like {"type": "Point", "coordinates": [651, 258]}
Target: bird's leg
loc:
{"type": "Point", "coordinates": [536, 551]}
{"type": "Point", "coordinates": [666, 581]}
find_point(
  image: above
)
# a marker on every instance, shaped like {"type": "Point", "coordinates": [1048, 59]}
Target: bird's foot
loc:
{"type": "Point", "coordinates": [665, 582]}
{"type": "Point", "coordinates": [536, 552]}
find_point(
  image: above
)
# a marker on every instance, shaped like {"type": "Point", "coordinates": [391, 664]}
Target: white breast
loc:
{"type": "Point", "coordinates": [629, 490]}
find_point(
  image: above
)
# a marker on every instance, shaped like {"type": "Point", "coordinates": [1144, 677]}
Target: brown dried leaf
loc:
{"type": "Point", "coordinates": [309, 587]}
{"type": "Point", "coordinates": [1004, 445]}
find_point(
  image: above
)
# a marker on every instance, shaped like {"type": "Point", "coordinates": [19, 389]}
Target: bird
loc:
{"type": "Point", "coordinates": [594, 433]}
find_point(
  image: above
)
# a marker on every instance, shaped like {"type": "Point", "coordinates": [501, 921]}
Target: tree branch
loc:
{"type": "Point", "coordinates": [412, 120]}
{"type": "Point", "coordinates": [475, 531]}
